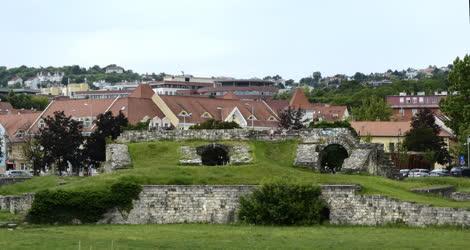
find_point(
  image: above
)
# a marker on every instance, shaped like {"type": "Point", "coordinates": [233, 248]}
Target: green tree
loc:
{"type": "Point", "coordinates": [61, 141]}
{"type": "Point", "coordinates": [291, 119]}
{"type": "Point", "coordinates": [107, 126]}
{"type": "Point", "coordinates": [424, 137]}
{"type": "Point", "coordinates": [372, 109]}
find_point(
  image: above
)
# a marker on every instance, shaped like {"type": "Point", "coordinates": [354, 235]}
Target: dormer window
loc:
{"type": "Point", "coordinates": [19, 133]}
{"type": "Point", "coordinates": [183, 113]}
{"type": "Point", "coordinates": [41, 123]}
{"type": "Point", "coordinates": [206, 115]}
{"type": "Point", "coordinates": [252, 117]}
{"type": "Point", "coordinates": [272, 119]}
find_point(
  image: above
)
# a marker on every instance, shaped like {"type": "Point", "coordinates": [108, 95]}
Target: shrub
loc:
{"type": "Point", "coordinates": [214, 124]}
{"type": "Point", "coordinates": [284, 204]}
{"type": "Point", "coordinates": [335, 124]}
{"type": "Point", "coordinates": [88, 206]}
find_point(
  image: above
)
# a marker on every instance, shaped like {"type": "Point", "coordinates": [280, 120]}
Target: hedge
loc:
{"type": "Point", "coordinates": [88, 206]}
{"type": "Point", "coordinates": [284, 204]}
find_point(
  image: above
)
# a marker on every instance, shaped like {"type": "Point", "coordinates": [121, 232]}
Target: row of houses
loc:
{"type": "Point", "coordinates": [144, 104]}
{"type": "Point", "coordinates": [160, 111]}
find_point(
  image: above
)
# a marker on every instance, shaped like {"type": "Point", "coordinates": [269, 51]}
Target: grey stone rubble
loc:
{"type": "Point", "coordinates": [445, 191]}
{"type": "Point", "coordinates": [12, 180]}
{"type": "Point", "coordinates": [348, 207]}
{"type": "Point", "coordinates": [363, 157]}
{"type": "Point", "coordinates": [16, 203]}
{"type": "Point", "coordinates": [117, 157]}
{"type": "Point", "coordinates": [239, 154]}
{"type": "Point", "coordinates": [460, 196]}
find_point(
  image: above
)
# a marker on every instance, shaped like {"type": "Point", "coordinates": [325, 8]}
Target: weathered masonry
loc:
{"type": "Point", "coordinates": [361, 157]}
{"type": "Point", "coordinates": [166, 204]}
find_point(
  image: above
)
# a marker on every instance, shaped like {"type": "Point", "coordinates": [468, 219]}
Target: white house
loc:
{"type": "Point", "coordinates": [15, 80]}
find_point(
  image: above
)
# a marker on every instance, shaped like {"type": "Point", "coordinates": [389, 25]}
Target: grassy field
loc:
{"type": "Point", "coordinates": [157, 163]}
{"type": "Point", "coordinates": [203, 236]}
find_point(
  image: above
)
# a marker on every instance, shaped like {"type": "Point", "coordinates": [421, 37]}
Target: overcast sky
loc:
{"type": "Point", "coordinates": [240, 38]}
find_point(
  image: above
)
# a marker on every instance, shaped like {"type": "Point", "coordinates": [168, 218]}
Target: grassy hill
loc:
{"type": "Point", "coordinates": [157, 163]}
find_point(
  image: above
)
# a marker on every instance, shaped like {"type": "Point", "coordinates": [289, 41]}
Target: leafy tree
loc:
{"type": "Point", "coordinates": [292, 119]}
{"type": "Point", "coordinates": [372, 109]}
{"type": "Point", "coordinates": [215, 124]}
{"type": "Point", "coordinates": [316, 76]}
{"type": "Point", "coordinates": [424, 137]}
{"type": "Point", "coordinates": [107, 126]}
{"type": "Point", "coordinates": [359, 77]}
{"type": "Point", "coordinates": [61, 140]}
{"type": "Point", "coordinates": [32, 150]}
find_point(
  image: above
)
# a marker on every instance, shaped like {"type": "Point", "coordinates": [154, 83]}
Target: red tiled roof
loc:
{"type": "Point", "coordinates": [15, 122]}
{"type": "Point", "coordinates": [142, 91]}
{"type": "Point", "coordinates": [218, 109]}
{"type": "Point", "coordinates": [386, 128]}
{"type": "Point", "coordinates": [299, 100]}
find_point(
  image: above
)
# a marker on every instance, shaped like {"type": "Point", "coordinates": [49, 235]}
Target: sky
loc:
{"type": "Point", "coordinates": [238, 38]}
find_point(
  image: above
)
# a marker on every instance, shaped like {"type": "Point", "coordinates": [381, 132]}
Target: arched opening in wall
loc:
{"type": "Point", "coordinates": [214, 154]}
{"type": "Point", "coordinates": [332, 158]}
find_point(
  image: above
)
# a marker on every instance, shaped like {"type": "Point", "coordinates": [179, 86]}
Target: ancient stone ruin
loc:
{"type": "Point", "coordinates": [216, 154]}
{"type": "Point", "coordinates": [313, 150]}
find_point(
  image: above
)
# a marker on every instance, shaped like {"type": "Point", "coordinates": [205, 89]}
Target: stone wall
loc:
{"type": "Point", "coordinates": [307, 136]}
{"type": "Point", "coordinates": [166, 204]}
{"type": "Point", "coordinates": [16, 203]}
{"type": "Point", "coordinates": [460, 196]}
{"type": "Point", "coordinates": [117, 157]}
{"type": "Point", "coordinates": [239, 153]}
{"type": "Point", "coordinates": [348, 207]}
{"type": "Point", "coordinates": [12, 180]}
{"type": "Point", "coordinates": [182, 204]}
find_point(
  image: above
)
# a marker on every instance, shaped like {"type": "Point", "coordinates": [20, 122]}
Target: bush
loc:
{"type": "Point", "coordinates": [284, 204]}
{"type": "Point", "coordinates": [214, 124]}
{"type": "Point", "coordinates": [335, 124]}
{"type": "Point", "coordinates": [60, 206]}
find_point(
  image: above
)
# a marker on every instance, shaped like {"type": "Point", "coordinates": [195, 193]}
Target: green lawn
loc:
{"type": "Point", "coordinates": [202, 236]}
{"type": "Point", "coordinates": [157, 163]}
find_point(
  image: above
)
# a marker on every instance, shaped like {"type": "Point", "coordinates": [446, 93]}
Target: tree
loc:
{"type": "Point", "coordinates": [107, 126]}
{"type": "Point", "coordinates": [316, 76]}
{"type": "Point", "coordinates": [291, 119]}
{"type": "Point", "coordinates": [33, 152]}
{"type": "Point", "coordinates": [359, 77]}
{"type": "Point", "coordinates": [61, 140]}
{"type": "Point", "coordinates": [372, 109]}
{"type": "Point", "coordinates": [424, 137]}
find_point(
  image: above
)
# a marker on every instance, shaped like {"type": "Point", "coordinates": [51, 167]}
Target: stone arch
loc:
{"type": "Point", "coordinates": [331, 157]}
{"type": "Point", "coordinates": [214, 154]}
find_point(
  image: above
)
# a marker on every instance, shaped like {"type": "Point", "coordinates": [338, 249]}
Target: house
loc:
{"type": "Point", "coordinates": [15, 81]}
{"type": "Point", "coordinates": [71, 88]}
{"type": "Point", "coordinates": [189, 78]}
{"type": "Point", "coordinates": [392, 133]}
{"type": "Point", "coordinates": [249, 92]}
{"type": "Point", "coordinates": [405, 106]}
{"type": "Point", "coordinates": [100, 94]}
{"type": "Point", "coordinates": [317, 111]}
{"type": "Point", "coordinates": [13, 129]}
{"type": "Point", "coordinates": [114, 69]}
{"type": "Point", "coordinates": [185, 111]}
{"type": "Point", "coordinates": [32, 83]}
{"type": "Point", "coordinates": [48, 77]}
{"type": "Point", "coordinates": [172, 87]}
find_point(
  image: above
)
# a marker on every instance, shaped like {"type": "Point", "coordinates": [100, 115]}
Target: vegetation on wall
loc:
{"type": "Point", "coordinates": [87, 206]}
{"type": "Point", "coordinates": [215, 124]}
{"type": "Point", "coordinates": [284, 204]}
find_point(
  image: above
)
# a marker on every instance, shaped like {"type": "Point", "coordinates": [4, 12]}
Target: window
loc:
{"type": "Point", "coordinates": [402, 100]}
{"type": "Point", "coordinates": [408, 100]}
{"type": "Point", "coordinates": [421, 100]}
{"type": "Point", "coordinates": [41, 123]}
{"type": "Point", "coordinates": [391, 147]}
{"type": "Point", "coordinates": [252, 117]}
{"type": "Point", "coordinates": [402, 112]}
{"type": "Point", "coordinates": [414, 111]}
{"type": "Point", "coordinates": [206, 115]}
{"type": "Point", "coordinates": [183, 113]}
{"type": "Point", "coordinates": [272, 119]}
{"type": "Point", "coordinates": [415, 100]}
{"type": "Point", "coordinates": [23, 166]}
